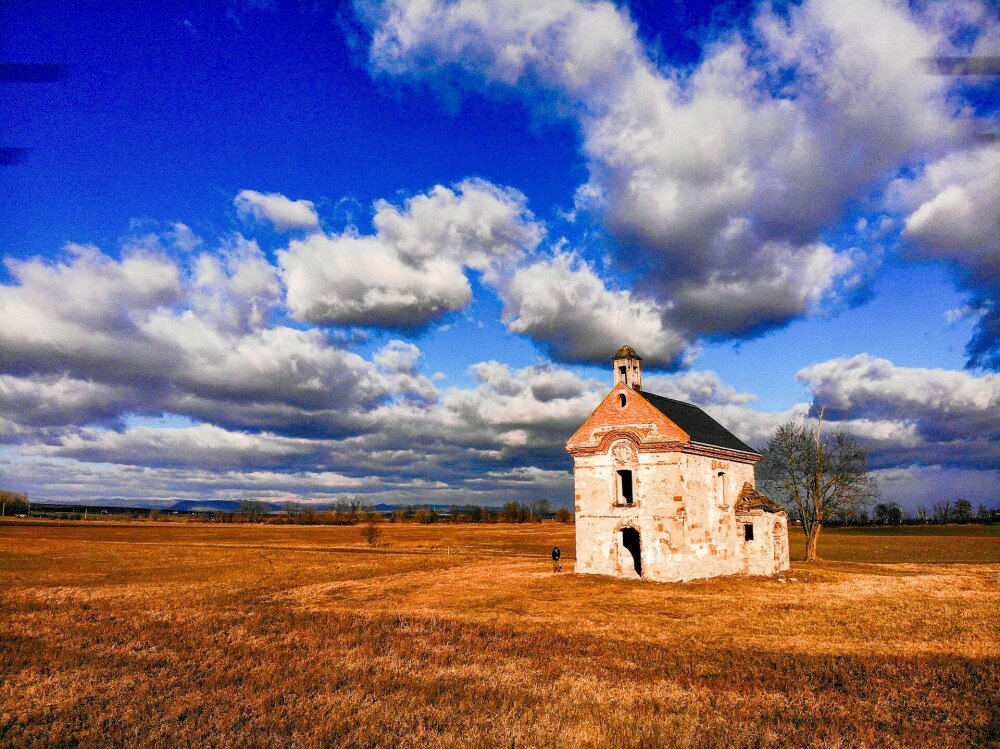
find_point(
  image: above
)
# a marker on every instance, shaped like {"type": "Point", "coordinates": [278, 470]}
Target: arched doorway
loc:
{"type": "Point", "coordinates": [630, 540]}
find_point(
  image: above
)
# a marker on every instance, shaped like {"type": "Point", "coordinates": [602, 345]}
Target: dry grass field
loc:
{"type": "Point", "coordinates": [185, 635]}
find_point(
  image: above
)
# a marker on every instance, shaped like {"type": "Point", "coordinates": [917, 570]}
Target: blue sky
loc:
{"type": "Point", "coordinates": [764, 201]}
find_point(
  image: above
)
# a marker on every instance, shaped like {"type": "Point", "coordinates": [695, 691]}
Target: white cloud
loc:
{"type": "Point", "coordinates": [84, 313]}
{"type": "Point", "coordinates": [412, 270]}
{"type": "Point", "coordinates": [953, 208]}
{"type": "Point", "coordinates": [501, 439]}
{"type": "Point", "coordinates": [865, 386]}
{"type": "Point", "coordinates": [398, 357]}
{"type": "Point", "coordinates": [283, 213]}
{"type": "Point", "coordinates": [701, 387]}
{"type": "Point", "coordinates": [562, 303]}
{"type": "Point", "coordinates": [182, 237]}
{"type": "Point", "coordinates": [57, 400]}
{"type": "Point", "coordinates": [236, 287]}
{"type": "Point", "coordinates": [716, 180]}
{"type": "Point", "coordinates": [200, 446]}
{"type": "Point", "coordinates": [195, 343]}
{"type": "Point", "coordinates": [911, 415]}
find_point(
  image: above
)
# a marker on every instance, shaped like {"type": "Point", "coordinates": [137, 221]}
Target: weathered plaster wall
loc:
{"type": "Point", "coordinates": [683, 510]}
{"type": "Point", "coordinates": [767, 553]}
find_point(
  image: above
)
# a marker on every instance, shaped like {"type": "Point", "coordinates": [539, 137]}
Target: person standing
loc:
{"type": "Point", "coordinates": [556, 556]}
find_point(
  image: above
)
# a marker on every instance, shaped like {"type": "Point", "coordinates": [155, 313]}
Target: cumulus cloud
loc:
{"type": "Point", "coordinates": [236, 287]}
{"type": "Point", "coordinates": [84, 314]}
{"type": "Point", "coordinates": [938, 416]}
{"type": "Point", "coordinates": [202, 445]}
{"type": "Point", "coordinates": [953, 208]}
{"type": "Point", "coordinates": [701, 387]}
{"type": "Point", "coordinates": [399, 361]}
{"type": "Point", "coordinates": [283, 213]}
{"type": "Point", "coordinates": [563, 304]}
{"type": "Point", "coordinates": [182, 237]}
{"type": "Point", "coordinates": [58, 400]}
{"type": "Point", "coordinates": [541, 401]}
{"type": "Point", "coordinates": [412, 270]}
{"type": "Point", "coordinates": [97, 342]}
{"type": "Point", "coordinates": [716, 180]}
{"type": "Point", "coordinates": [917, 423]}
{"type": "Point", "coordinates": [499, 440]}
{"type": "Point", "coordinates": [195, 342]}
{"type": "Point", "coordinates": [66, 479]}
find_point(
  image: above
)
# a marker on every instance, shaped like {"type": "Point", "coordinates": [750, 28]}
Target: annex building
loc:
{"type": "Point", "coordinates": [665, 492]}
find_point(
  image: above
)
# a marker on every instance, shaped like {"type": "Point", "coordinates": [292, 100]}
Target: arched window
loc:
{"type": "Point", "coordinates": [624, 465]}
{"type": "Point", "coordinates": [622, 400]}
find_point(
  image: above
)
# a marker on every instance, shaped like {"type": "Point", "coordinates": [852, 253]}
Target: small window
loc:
{"type": "Point", "coordinates": [748, 531]}
{"type": "Point", "coordinates": [625, 487]}
{"type": "Point", "coordinates": [621, 400]}
{"type": "Point", "coordinates": [622, 374]}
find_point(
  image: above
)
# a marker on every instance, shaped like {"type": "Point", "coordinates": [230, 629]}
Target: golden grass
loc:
{"type": "Point", "coordinates": [459, 636]}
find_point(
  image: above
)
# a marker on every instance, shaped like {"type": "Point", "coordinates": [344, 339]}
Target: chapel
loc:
{"type": "Point", "coordinates": [664, 492]}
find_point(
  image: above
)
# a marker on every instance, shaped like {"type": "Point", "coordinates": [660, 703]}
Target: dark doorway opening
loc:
{"type": "Point", "coordinates": [630, 540]}
{"type": "Point", "coordinates": [625, 487]}
{"type": "Point", "coordinates": [748, 531]}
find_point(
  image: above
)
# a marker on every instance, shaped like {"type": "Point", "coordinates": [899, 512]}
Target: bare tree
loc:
{"type": "Point", "coordinates": [816, 476]}
{"type": "Point", "coordinates": [963, 511]}
{"type": "Point", "coordinates": [943, 511]}
{"type": "Point", "coordinates": [254, 509]}
{"type": "Point", "coordinates": [922, 515]}
{"type": "Point", "coordinates": [540, 508]}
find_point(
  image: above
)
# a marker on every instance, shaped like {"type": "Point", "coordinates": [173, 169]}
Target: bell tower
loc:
{"type": "Point", "coordinates": [628, 368]}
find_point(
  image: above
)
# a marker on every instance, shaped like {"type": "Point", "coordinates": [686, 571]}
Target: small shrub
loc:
{"type": "Point", "coordinates": [370, 532]}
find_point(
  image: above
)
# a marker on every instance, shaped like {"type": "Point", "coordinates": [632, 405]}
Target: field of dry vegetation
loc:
{"type": "Point", "coordinates": [186, 635]}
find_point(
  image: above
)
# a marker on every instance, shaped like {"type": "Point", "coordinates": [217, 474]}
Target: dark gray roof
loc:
{"type": "Point", "coordinates": [701, 427]}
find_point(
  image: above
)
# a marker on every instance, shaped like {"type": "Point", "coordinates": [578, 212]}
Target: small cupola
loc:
{"type": "Point", "coordinates": [628, 368]}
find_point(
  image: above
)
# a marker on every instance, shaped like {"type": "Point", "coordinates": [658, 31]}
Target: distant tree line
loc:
{"type": "Point", "coordinates": [512, 512]}
{"type": "Point", "coordinates": [942, 512]}
{"type": "Point", "coordinates": [354, 510]}
{"type": "Point", "coordinates": [347, 511]}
